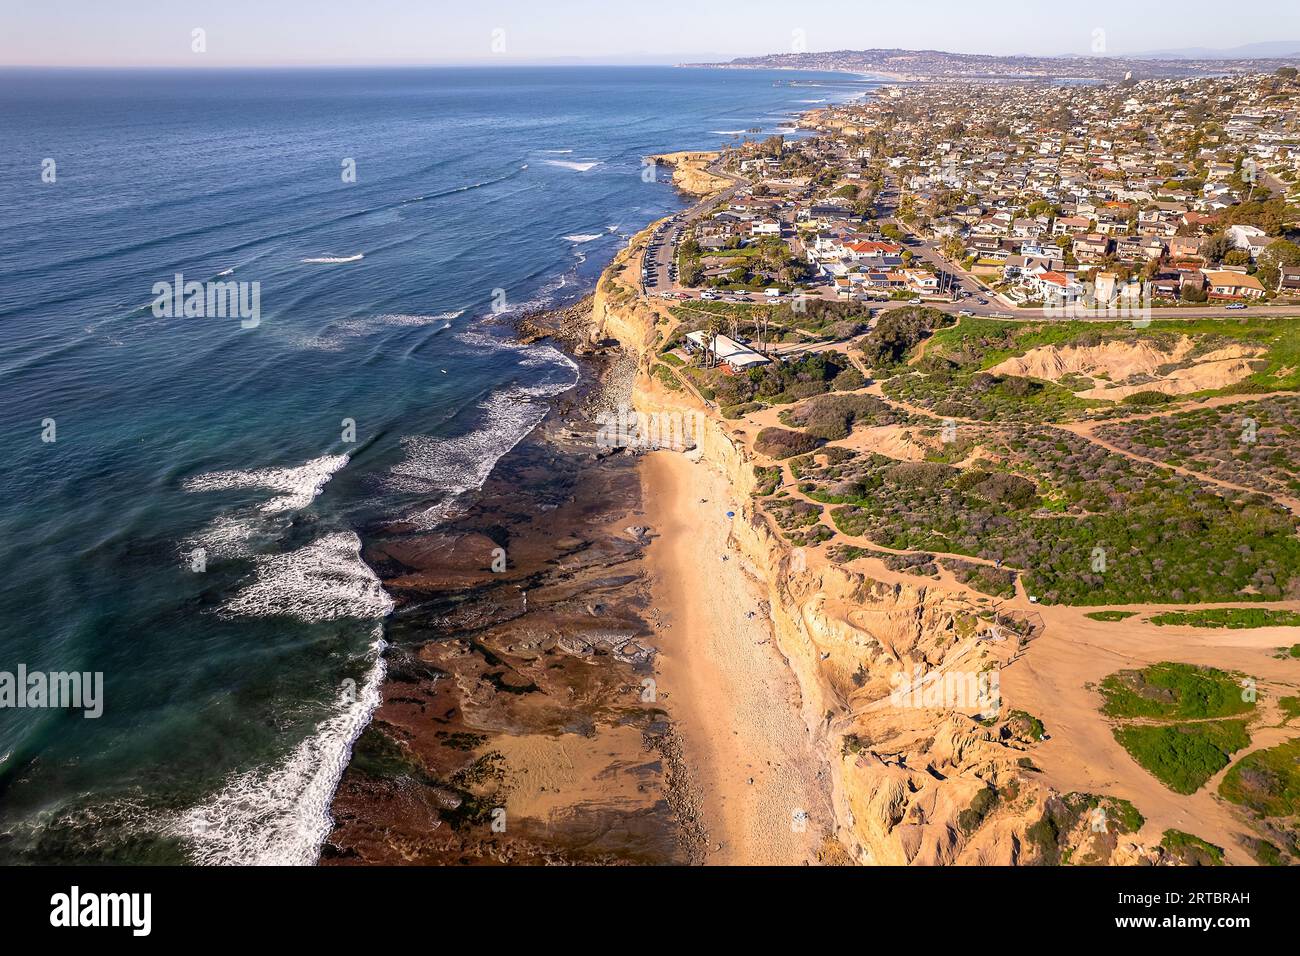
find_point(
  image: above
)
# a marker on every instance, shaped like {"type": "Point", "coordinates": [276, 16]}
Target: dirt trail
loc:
{"type": "Point", "coordinates": [1057, 682]}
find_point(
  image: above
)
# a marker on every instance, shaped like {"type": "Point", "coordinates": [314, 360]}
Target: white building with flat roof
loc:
{"type": "Point", "coordinates": [729, 351]}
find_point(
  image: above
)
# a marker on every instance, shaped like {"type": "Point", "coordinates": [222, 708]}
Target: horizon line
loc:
{"type": "Point", "coordinates": [630, 60]}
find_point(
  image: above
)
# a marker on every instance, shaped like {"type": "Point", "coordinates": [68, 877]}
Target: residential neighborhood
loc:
{"type": "Point", "coordinates": [1175, 192]}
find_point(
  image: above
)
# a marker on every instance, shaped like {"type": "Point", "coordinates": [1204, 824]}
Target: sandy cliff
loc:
{"type": "Point", "coordinates": [690, 172]}
{"type": "Point", "coordinates": [911, 783]}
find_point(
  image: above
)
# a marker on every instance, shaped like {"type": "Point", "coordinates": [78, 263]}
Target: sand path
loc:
{"type": "Point", "coordinates": [728, 689]}
{"type": "Point", "coordinates": [1057, 682]}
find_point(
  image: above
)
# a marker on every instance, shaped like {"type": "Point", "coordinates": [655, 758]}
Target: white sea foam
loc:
{"type": "Point", "coordinates": [233, 534]}
{"type": "Point", "coordinates": [530, 356]}
{"type": "Point", "coordinates": [555, 151]}
{"type": "Point", "coordinates": [280, 815]}
{"type": "Point", "coordinates": [454, 466]}
{"type": "Point", "coordinates": [295, 487]}
{"type": "Point", "coordinates": [584, 237]}
{"type": "Point", "coordinates": [335, 259]}
{"type": "Point", "coordinates": [579, 167]}
{"type": "Point", "coordinates": [726, 132]}
{"type": "Point", "coordinates": [338, 334]}
{"type": "Point", "coordinates": [322, 581]}
{"type": "Point", "coordinates": [462, 463]}
{"type": "Point", "coordinates": [227, 536]}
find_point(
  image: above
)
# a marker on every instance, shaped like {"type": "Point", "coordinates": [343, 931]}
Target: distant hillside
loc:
{"type": "Point", "coordinates": [938, 65]}
{"type": "Point", "coordinates": [1270, 48]}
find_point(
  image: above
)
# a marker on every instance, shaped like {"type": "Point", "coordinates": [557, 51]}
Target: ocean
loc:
{"type": "Point", "coordinates": [184, 501]}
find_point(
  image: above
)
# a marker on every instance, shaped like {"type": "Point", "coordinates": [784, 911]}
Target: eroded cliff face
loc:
{"type": "Point", "coordinates": [924, 771]}
{"type": "Point", "coordinates": [691, 173]}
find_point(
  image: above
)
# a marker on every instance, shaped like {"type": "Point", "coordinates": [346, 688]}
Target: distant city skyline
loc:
{"type": "Point", "coordinates": [244, 33]}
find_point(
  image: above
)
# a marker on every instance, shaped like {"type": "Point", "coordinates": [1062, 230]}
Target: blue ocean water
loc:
{"type": "Point", "coordinates": [190, 531]}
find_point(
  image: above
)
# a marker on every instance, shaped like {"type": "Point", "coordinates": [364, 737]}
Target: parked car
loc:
{"type": "Point", "coordinates": [1236, 305]}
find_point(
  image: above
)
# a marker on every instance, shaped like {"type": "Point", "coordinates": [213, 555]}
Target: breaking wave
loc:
{"type": "Point", "coordinates": [338, 334]}
{"type": "Point", "coordinates": [451, 467]}
{"type": "Point", "coordinates": [232, 535]}
{"type": "Point", "coordinates": [279, 816]}
{"type": "Point", "coordinates": [578, 167]}
{"type": "Point", "coordinates": [295, 487]}
{"type": "Point", "coordinates": [323, 581]}
{"type": "Point", "coordinates": [335, 259]}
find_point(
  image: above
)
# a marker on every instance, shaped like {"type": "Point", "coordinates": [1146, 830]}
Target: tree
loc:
{"type": "Point", "coordinates": [953, 248]}
{"type": "Point", "coordinates": [1269, 215]}
{"type": "Point", "coordinates": [1273, 258]}
{"type": "Point", "coordinates": [1215, 247]}
{"type": "Point", "coordinates": [691, 272]}
{"type": "Point", "coordinates": [712, 328]}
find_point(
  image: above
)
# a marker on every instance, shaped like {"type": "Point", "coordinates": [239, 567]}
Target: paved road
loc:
{"type": "Point", "coordinates": [661, 252]}
{"type": "Point", "coordinates": [662, 248]}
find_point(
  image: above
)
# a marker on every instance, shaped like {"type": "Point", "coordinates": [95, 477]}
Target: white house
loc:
{"type": "Point", "coordinates": [1242, 234]}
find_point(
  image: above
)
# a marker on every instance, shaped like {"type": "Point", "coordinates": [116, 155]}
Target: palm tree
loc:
{"type": "Point", "coordinates": [712, 329]}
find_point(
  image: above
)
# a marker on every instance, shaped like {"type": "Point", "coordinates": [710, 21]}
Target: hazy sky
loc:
{"type": "Point", "coordinates": [304, 32]}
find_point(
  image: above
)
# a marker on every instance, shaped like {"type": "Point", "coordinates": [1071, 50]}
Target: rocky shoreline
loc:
{"type": "Point", "coordinates": [518, 722]}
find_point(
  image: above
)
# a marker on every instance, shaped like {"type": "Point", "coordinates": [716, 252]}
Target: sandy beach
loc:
{"type": "Point", "coordinates": [763, 790]}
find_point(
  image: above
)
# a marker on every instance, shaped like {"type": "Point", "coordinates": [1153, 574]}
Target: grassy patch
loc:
{"type": "Point", "coordinates": [768, 480]}
{"type": "Point", "coordinates": [1026, 725]}
{"type": "Point", "coordinates": [1184, 756]}
{"type": "Point", "coordinates": [1110, 615]}
{"type": "Point", "coordinates": [921, 563]}
{"type": "Point", "coordinates": [667, 378]}
{"type": "Point", "coordinates": [982, 343]}
{"type": "Point", "coordinates": [1067, 819]}
{"type": "Point", "coordinates": [1266, 781]}
{"type": "Point", "coordinates": [833, 416]}
{"type": "Point", "coordinates": [984, 397]}
{"type": "Point", "coordinates": [980, 806]}
{"type": "Point", "coordinates": [1249, 443]}
{"type": "Point", "coordinates": [1265, 853]}
{"type": "Point", "coordinates": [1191, 850]}
{"type": "Point", "coordinates": [1231, 617]}
{"type": "Point", "coordinates": [1172, 692]}
{"type": "Point", "coordinates": [1049, 502]}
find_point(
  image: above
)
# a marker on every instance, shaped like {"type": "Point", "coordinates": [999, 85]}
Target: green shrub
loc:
{"type": "Point", "coordinates": [1230, 617]}
{"type": "Point", "coordinates": [1148, 399]}
{"type": "Point", "coordinates": [1110, 615]}
{"type": "Point", "coordinates": [1184, 756]}
{"type": "Point", "coordinates": [1266, 781]}
{"type": "Point", "coordinates": [780, 443]}
{"type": "Point", "coordinates": [1191, 850]}
{"type": "Point", "coordinates": [1173, 691]}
